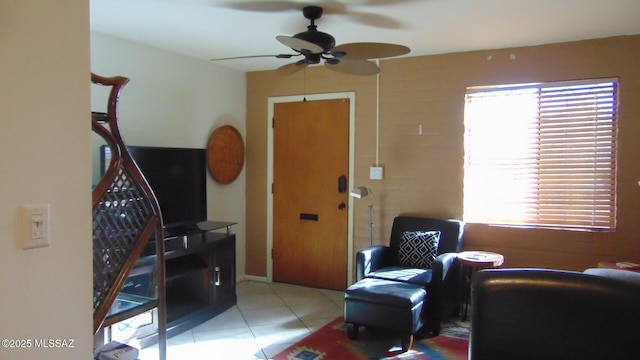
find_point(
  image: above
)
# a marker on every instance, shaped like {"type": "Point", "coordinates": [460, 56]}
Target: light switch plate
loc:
{"type": "Point", "coordinates": [375, 173]}
{"type": "Point", "coordinates": [35, 226]}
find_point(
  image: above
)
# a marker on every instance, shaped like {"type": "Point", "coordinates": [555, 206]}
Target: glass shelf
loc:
{"type": "Point", "coordinates": [127, 305]}
{"type": "Point", "coordinates": [198, 227]}
{"type": "Point", "coordinates": [215, 225]}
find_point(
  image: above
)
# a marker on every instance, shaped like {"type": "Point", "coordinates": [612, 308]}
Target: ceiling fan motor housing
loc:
{"type": "Point", "coordinates": [324, 40]}
{"type": "Point", "coordinates": [312, 35]}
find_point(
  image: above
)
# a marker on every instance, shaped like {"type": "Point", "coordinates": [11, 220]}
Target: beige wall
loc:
{"type": "Point", "coordinates": [45, 135]}
{"type": "Point", "coordinates": [423, 173]}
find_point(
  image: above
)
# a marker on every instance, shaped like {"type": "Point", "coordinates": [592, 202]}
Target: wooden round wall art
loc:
{"type": "Point", "coordinates": [225, 154]}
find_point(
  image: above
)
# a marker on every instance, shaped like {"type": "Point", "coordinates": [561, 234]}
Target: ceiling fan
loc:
{"type": "Point", "coordinates": [317, 46]}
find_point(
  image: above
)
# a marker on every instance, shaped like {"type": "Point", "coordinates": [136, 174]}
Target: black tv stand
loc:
{"type": "Point", "coordinates": [200, 275]}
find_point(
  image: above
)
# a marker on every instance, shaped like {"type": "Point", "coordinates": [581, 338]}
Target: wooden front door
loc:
{"type": "Point", "coordinates": [310, 193]}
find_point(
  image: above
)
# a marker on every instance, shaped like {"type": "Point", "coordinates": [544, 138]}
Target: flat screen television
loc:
{"type": "Point", "coordinates": [178, 177]}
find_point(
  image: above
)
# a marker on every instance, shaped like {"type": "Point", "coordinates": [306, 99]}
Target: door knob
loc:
{"type": "Point", "coordinates": [342, 206]}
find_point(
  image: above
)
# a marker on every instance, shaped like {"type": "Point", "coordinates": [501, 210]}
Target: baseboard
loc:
{"type": "Point", "coordinates": [253, 278]}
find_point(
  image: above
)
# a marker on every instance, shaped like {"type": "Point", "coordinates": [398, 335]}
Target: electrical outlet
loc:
{"type": "Point", "coordinates": [375, 173]}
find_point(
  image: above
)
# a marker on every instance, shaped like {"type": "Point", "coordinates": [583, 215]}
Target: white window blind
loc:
{"type": "Point", "coordinates": [541, 155]}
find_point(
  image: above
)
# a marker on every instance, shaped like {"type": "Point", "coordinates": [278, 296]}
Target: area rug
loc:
{"type": "Point", "coordinates": [331, 342]}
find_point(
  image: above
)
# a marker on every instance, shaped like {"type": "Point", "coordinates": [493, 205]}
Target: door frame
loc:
{"type": "Point", "coordinates": [352, 122]}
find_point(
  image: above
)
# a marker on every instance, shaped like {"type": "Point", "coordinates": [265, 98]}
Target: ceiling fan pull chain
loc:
{"type": "Point", "coordinates": [304, 85]}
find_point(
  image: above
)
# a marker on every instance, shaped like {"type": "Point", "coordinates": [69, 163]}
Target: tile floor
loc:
{"type": "Point", "coordinates": [267, 319]}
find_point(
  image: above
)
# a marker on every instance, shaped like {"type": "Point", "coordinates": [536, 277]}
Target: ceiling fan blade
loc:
{"type": "Point", "coordinates": [330, 7]}
{"type": "Point", "coordinates": [369, 50]}
{"type": "Point", "coordinates": [354, 67]}
{"type": "Point", "coordinates": [386, 2]}
{"type": "Point", "coordinates": [377, 20]}
{"type": "Point", "coordinates": [299, 45]}
{"type": "Point", "coordinates": [262, 5]}
{"type": "Point", "coordinates": [277, 56]}
{"type": "Point", "coordinates": [290, 69]}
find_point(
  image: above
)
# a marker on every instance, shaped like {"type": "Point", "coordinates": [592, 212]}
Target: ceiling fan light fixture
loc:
{"type": "Point", "coordinates": [313, 59]}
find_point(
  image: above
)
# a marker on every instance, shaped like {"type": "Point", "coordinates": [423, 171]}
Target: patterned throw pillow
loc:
{"type": "Point", "coordinates": [418, 249]}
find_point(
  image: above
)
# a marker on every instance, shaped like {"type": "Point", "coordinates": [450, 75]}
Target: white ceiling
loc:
{"type": "Point", "coordinates": [206, 29]}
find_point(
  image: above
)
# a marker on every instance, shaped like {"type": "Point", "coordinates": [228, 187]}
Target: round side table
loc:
{"type": "Point", "coordinates": [473, 261]}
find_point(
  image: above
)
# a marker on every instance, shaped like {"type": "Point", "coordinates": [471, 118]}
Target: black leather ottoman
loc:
{"type": "Point", "coordinates": [384, 304]}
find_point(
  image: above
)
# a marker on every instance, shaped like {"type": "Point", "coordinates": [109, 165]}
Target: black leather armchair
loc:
{"type": "Point", "coordinates": [623, 275]}
{"type": "Point", "coordinates": [442, 281]}
{"type": "Point", "coordinates": [553, 314]}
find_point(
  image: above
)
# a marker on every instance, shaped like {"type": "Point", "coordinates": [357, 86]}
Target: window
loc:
{"type": "Point", "coordinates": [541, 155]}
